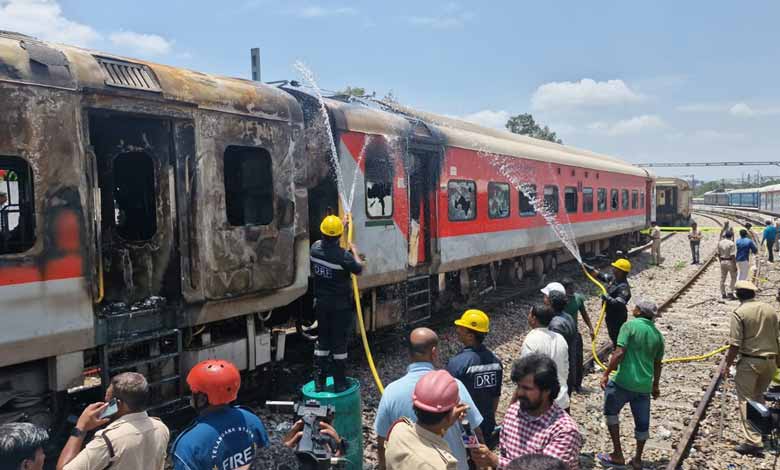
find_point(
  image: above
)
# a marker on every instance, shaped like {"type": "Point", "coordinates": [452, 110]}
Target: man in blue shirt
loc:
{"type": "Point", "coordinates": [769, 237]}
{"type": "Point", "coordinates": [397, 399]}
{"type": "Point", "coordinates": [744, 246]}
{"type": "Point", "coordinates": [222, 437]}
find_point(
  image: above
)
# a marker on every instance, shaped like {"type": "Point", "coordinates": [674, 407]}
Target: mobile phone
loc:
{"type": "Point", "coordinates": [110, 410]}
{"type": "Point", "coordinates": [470, 440]}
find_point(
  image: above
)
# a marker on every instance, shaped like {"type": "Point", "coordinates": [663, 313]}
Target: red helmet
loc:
{"type": "Point", "coordinates": [219, 380]}
{"type": "Point", "coordinates": [436, 392]}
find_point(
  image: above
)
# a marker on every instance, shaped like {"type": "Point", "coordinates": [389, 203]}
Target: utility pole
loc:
{"type": "Point", "coordinates": [255, 53]}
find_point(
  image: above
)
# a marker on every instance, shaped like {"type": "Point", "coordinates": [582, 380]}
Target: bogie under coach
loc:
{"type": "Point", "coordinates": [158, 216]}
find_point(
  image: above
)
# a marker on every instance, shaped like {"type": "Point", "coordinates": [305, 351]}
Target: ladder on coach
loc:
{"type": "Point", "coordinates": [417, 299]}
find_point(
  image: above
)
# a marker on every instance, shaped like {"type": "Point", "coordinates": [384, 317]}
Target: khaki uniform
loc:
{"type": "Point", "coordinates": [655, 234]}
{"type": "Point", "coordinates": [138, 442]}
{"type": "Point", "coordinates": [727, 254]}
{"type": "Point", "coordinates": [410, 446]}
{"type": "Point", "coordinates": [754, 330]}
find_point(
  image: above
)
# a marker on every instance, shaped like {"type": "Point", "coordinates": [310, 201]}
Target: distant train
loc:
{"type": "Point", "coordinates": [673, 201]}
{"type": "Point", "coordinates": [748, 197]}
{"type": "Point", "coordinates": [156, 216]}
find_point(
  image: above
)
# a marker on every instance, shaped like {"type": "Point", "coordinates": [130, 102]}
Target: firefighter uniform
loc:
{"type": "Point", "coordinates": [331, 267]}
{"type": "Point", "coordinates": [479, 369]}
{"type": "Point", "coordinates": [754, 329]}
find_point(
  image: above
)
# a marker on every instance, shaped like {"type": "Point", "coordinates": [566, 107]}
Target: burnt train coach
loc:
{"type": "Point", "coordinates": [673, 201]}
{"type": "Point", "coordinates": [157, 216]}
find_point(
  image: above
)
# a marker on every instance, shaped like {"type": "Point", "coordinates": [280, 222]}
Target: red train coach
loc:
{"type": "Point", "coordinates": [157, 216]}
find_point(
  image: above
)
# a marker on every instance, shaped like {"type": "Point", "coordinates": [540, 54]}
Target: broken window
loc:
{"type": "Point", "coordinates": [570, 199]}
{"type": "Point", "coordinates": [624, 198]}
{"type": "Point", "coordinates": [587, 199]}
{"type": "Point", "coordinates": [498, 200]}
{"type": "Point", "coordinates": [526, 207]}
{"type": "Point", "coordinates": [551, 199]}
{"type": "Point", "coordinates": [602, 195]}
{"type": "Point", "coordinates": [615, 201]}
{"type": "Point", "coordinates": [379, 180]}
{"type": "Point", "coordinates": [462, 200]}
{"type": "Point", "coordinates": [135, 196]}
{"type": "Point", "coordinates": [248, 186]}
{"type": "Point", "coordinates": [635, 199]}
{"type": "Point", "coordinates": [17, 211]}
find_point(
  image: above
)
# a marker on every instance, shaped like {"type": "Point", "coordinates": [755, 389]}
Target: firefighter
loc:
{"type": "Point", "coordinates": [617, 296]}
{"type": "Point", "coordinates": [331, 267]}
{"type": "Point", "coordinates": [478, 368]}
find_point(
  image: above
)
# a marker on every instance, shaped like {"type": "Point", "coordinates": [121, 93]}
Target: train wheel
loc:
{"type": "Point", "coordinates": [550, 262]}
{"type": "Point", "coordinates": [539, 268]}
{"type": "Point", "coordinates": [519, 272]}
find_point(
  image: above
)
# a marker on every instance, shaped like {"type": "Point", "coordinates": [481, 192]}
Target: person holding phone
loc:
{"type": "Point", "coordinates": [130, 440]}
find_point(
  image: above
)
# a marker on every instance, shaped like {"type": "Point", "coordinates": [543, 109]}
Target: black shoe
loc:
{"type": "Point", "coordinates": [340, 383]}
{"type": "Point", "coordinates": [725, 296]}
{"type": "Point", "coordinates": [320, 373]}
{"type": "Point", "coordinates": [749, 449]}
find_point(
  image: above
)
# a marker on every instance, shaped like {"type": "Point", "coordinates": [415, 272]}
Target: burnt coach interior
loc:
{"type": "Point", "coordinates": [156, 216]}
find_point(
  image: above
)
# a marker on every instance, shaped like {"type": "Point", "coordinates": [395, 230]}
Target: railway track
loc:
{"type": "Point", "coordinates": [678, 316]}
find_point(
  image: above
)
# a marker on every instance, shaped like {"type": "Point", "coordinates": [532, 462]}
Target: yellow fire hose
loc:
{"type": "Point", "coordinates": [359, 310]}
{"type": "Point", "coordinates": [602, 315]}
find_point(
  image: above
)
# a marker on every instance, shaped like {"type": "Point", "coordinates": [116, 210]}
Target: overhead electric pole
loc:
{"type": "Point", "coordinates": [255, 52]}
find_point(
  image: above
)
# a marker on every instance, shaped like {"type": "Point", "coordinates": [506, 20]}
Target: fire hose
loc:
{"type": "Point", "coordinates": [603, 315]}
{"type": "Point", "coordinates": [359, 311]}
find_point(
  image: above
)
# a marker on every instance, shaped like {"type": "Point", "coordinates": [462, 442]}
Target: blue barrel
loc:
{"type": "Point", "coordinates": [349, 417]}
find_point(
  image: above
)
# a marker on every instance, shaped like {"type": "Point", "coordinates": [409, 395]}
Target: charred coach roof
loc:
{"type": "Point", "coordinates": [27, 60]}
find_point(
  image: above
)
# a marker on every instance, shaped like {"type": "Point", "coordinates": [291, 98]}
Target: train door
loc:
{"type": "Point", "coordinates": [133, 159]}
{"type": "Point", "coordinates": [420, 201]}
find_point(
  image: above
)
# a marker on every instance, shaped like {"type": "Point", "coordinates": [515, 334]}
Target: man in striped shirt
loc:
{"type": "Point", "coordinates": [534, 424]}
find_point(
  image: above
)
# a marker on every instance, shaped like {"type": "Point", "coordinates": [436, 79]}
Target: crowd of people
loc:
{"type": "Point", "coordinates": [437, 415]}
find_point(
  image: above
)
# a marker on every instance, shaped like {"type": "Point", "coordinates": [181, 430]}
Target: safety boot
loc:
{"type": "Point", "coordinates": [339, 376]}
{"type": "Point", "coordinates": [321, 373]}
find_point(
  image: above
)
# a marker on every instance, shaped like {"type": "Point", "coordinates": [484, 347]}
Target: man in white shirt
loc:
{"type": "Point", "coordinates": [541, 340]}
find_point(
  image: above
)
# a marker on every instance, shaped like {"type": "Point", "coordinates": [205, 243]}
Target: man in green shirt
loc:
{"type": "Point", "coordinates": [576, 306]}
{"type": "Point", "coordinates": [637, 358]}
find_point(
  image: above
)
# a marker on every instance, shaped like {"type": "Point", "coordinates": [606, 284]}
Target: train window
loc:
{"type": "Point", "coordinates": [570, 199]}
{"type": "Point", "coordinates": [602, 195]}
{"type": "Point", "coordinates": [498, 200]}
{"type": "Point", "coordinates": [614, 200]}
{"type": "Point", "coordinates": [587, 199]}
{"type": "Point", "coordinates": [379, 185]}
{"type": "Point", "coordinates": [462, 200]}
{"type": "Point", "coordinates": [641, 199]}
{"type": "Point", "coordinates": [135, 196]}
{"type": "Point", "coordinates": [551, 199]}
{"type": "Point", "coordinates": [624, 198]}
{"type": "Point", "coordinates": [17, 210]}
{"type": "Point", "coordinates": [526, 206]}
{"type": "Point", "coordinates": [248, 186]}
{"type": "Point", "coordinates": [635, 199]}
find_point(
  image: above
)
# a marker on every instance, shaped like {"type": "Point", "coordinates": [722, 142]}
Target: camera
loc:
{"type": "Point", "coordinates": [765, 419]}
{"type": "Point", "coordinates": [315, 451]}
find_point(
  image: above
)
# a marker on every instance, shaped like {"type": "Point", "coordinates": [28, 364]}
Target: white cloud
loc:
{"type": "Point", "coordinates": [634, 125]}
{"type": "Point", "coordinates": [316, 11]}
{"type": "Point", "coordinates": [140, 43]}
{"type": "Point", "coordinates": [488, 118]}
{"type": "Point", "coordinates": [743, 110]}
{"type": "Point", "coordinates": [454, 16]}
{"type": "Point", "coordinates": [43, 19]}
{"type": "Point", "coordinates": [585, 93]}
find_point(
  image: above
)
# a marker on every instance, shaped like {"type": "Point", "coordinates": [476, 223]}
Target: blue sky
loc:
{"type": "Point", "coordinates": [652, 81]}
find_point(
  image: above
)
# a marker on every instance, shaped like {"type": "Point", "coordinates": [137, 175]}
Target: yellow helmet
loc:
{"type": "Point", "coordinates": [623, 265]}
{"type": "Point", "coordinates": [475, 320]}
{"type": "Point", "coordinates": [331, 226]}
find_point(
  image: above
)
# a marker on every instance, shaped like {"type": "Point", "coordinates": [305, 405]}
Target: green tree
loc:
{"type": "Point", "coordinates": [525, 124]}
{"type": "Point", "coordinates": [352, 91]}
